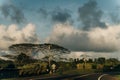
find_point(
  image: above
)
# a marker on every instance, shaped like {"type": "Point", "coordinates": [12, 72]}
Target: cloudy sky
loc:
{"type": "Point", "coordinates": [79, 25]}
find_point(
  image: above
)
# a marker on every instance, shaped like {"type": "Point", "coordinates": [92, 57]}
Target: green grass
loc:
{"type": "Point", "coordinates": [9, 79]}
{"type": "Point", "coordinates": [78, 71]}
{"type": "Point", "coordinates": [118, 77]}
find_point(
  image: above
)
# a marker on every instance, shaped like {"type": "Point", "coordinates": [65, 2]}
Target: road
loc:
{"type": "Point", "coordinates": [88, 77]}
{"type": "Point", "coordinates": [108, 77]}
{"type": "Point", "coordinates": [94, 76]}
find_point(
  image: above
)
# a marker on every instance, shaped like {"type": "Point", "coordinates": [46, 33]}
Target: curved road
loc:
{"type": "Point", "coordinates": [107, 77]}
{"type": "Point", "coordinates": [96, 77]}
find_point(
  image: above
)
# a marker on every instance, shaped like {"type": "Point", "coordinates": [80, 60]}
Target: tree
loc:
{"type": "Point", "coordinates": [113, 61]}
{"type": "Point", "coordinates": [10, 65]}
{"type": "Point", "coordinates": [53, 51]}
{"type": "Point", "coordinates": [25, 48]}
{"type": "Point", "coordinates": [22, 59]}
{"type": "Point", "coordinates": [49, 50]}
{"type": "Point", "coordinates": [90, 60]}
{"type": "Point", "coordinates": [101, 60]}
{"type": "Point", "coordinates": [84, 58]}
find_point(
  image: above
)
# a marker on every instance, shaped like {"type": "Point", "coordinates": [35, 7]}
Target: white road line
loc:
{"type": "Point", "coordinates": [85, 75]}
{"type": "Point", "coordinates": [102, 76]}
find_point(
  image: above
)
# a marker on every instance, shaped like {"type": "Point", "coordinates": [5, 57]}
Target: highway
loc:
{"type": "Point", "coordinates": [93, 76]}
{"type": "Point", "coordinates": [88, 77]}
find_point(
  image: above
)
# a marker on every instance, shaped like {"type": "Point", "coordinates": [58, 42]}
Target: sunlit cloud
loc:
{"type": "Point", "coordinates": [13, 35]}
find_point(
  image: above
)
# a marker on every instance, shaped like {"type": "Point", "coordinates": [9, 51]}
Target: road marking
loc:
{"type": "Point", "coordinates": [102, 76]}
{"type": "Point", "coordinates": [85, 75]}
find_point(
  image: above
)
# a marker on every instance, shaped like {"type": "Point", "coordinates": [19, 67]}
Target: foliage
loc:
{"type": "Point", "coordinates": [33, 69]}
{"type": "Point", "coordinates": [94, 66]}
{"type": "Point", "coordinates": [101, 60]}
{"type": "Point", "coordinates": [66, 65]}
{"type": "Point", "coordinates": [49, 50]}
{"type": "Point", "coordinates": [29, 67]}
{"type": "Point", "coordinates": [117, 68]}
{"type": "Point", "coordinates": [22, 59]}
{"type": "Point", "coordinates": [11, 66]}
{"type": "Point", "coordinates": [6, 64]}
{"type": "Point", "coordinates": [118, 77]}
{"type": "Point", "coordinates": [112, 61]}
{"type": "Point", "coordinates": [29, 48]}
{"type": "Point", "coordinates": [90, 61]}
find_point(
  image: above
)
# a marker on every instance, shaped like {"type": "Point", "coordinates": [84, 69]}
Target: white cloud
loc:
{"type": "Point", "coordinates": [97, 39]}
{"type": "Point", "coordinates": [92, 55]}
{"type": "Point", "coordinates": [12, 35]}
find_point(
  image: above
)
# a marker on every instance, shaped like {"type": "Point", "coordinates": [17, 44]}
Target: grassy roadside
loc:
{"type": "Point", "coordinates": [77, 71]}
{"type": "Point", "coordinates": [74, 71]}
{"type": "Point", "coordinates": [118, 77]}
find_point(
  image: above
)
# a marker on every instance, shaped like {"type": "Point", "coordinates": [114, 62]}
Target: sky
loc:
{"type": "Point", "coordinates": [91, 26]}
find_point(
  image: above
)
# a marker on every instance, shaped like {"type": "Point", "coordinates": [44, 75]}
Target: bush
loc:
{"type": "Point", "coordinates": [94, 66]}
{"type": "Point", "coordinates": [108, 68]}
{"type": "Point", "coordinates": [33, 69]}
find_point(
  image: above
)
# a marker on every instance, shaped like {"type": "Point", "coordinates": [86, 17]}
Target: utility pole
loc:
{"type": "Point", "coordinates": [49, 56]}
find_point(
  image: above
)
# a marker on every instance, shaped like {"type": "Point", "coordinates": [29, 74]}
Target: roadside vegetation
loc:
{"type": "Point", "coordinates": [118, 77]}
{"type": "Point", "coordinates": [26, 66]}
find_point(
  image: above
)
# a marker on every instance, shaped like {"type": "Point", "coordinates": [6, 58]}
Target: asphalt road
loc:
{"type": "Point", "coordinates": [94, 76]}
{"type": "Point", "coordinates": [108, 77]}
{"type": "Point", "coordinates": [88, 77]}
{"type": "Point", "coordinates": [97, 76]}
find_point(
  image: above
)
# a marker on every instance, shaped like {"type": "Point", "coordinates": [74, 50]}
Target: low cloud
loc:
{"type": "Point", "coordinates": [97, 39]}
{"type": "Point", "coordinates": [12, 35]}
{"type": "Point", "coordinates": [92, 55]}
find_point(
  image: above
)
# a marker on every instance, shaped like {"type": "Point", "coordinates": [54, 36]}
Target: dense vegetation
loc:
{"type": "Point", "coordinates": [27, 66]}
{"type": "Point", "coordinates": [24, 65]}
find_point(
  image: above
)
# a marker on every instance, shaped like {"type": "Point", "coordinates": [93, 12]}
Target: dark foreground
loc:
{"type": "Point", "coordinates": [93, 76]}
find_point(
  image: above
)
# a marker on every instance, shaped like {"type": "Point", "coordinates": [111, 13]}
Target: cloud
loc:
{"type": "Point", "coordinates": [90, 15]}
{"type": "Point", "coordinates": [12, 35]}
{"type": "Point", "coordinates": [92, 55]}
{"type": "Point", "coordinates": [97, 39]}
{"type": "Point", "coordinates": [61, 16]}
{"type": "Point", "coordinates": [12, 12]}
